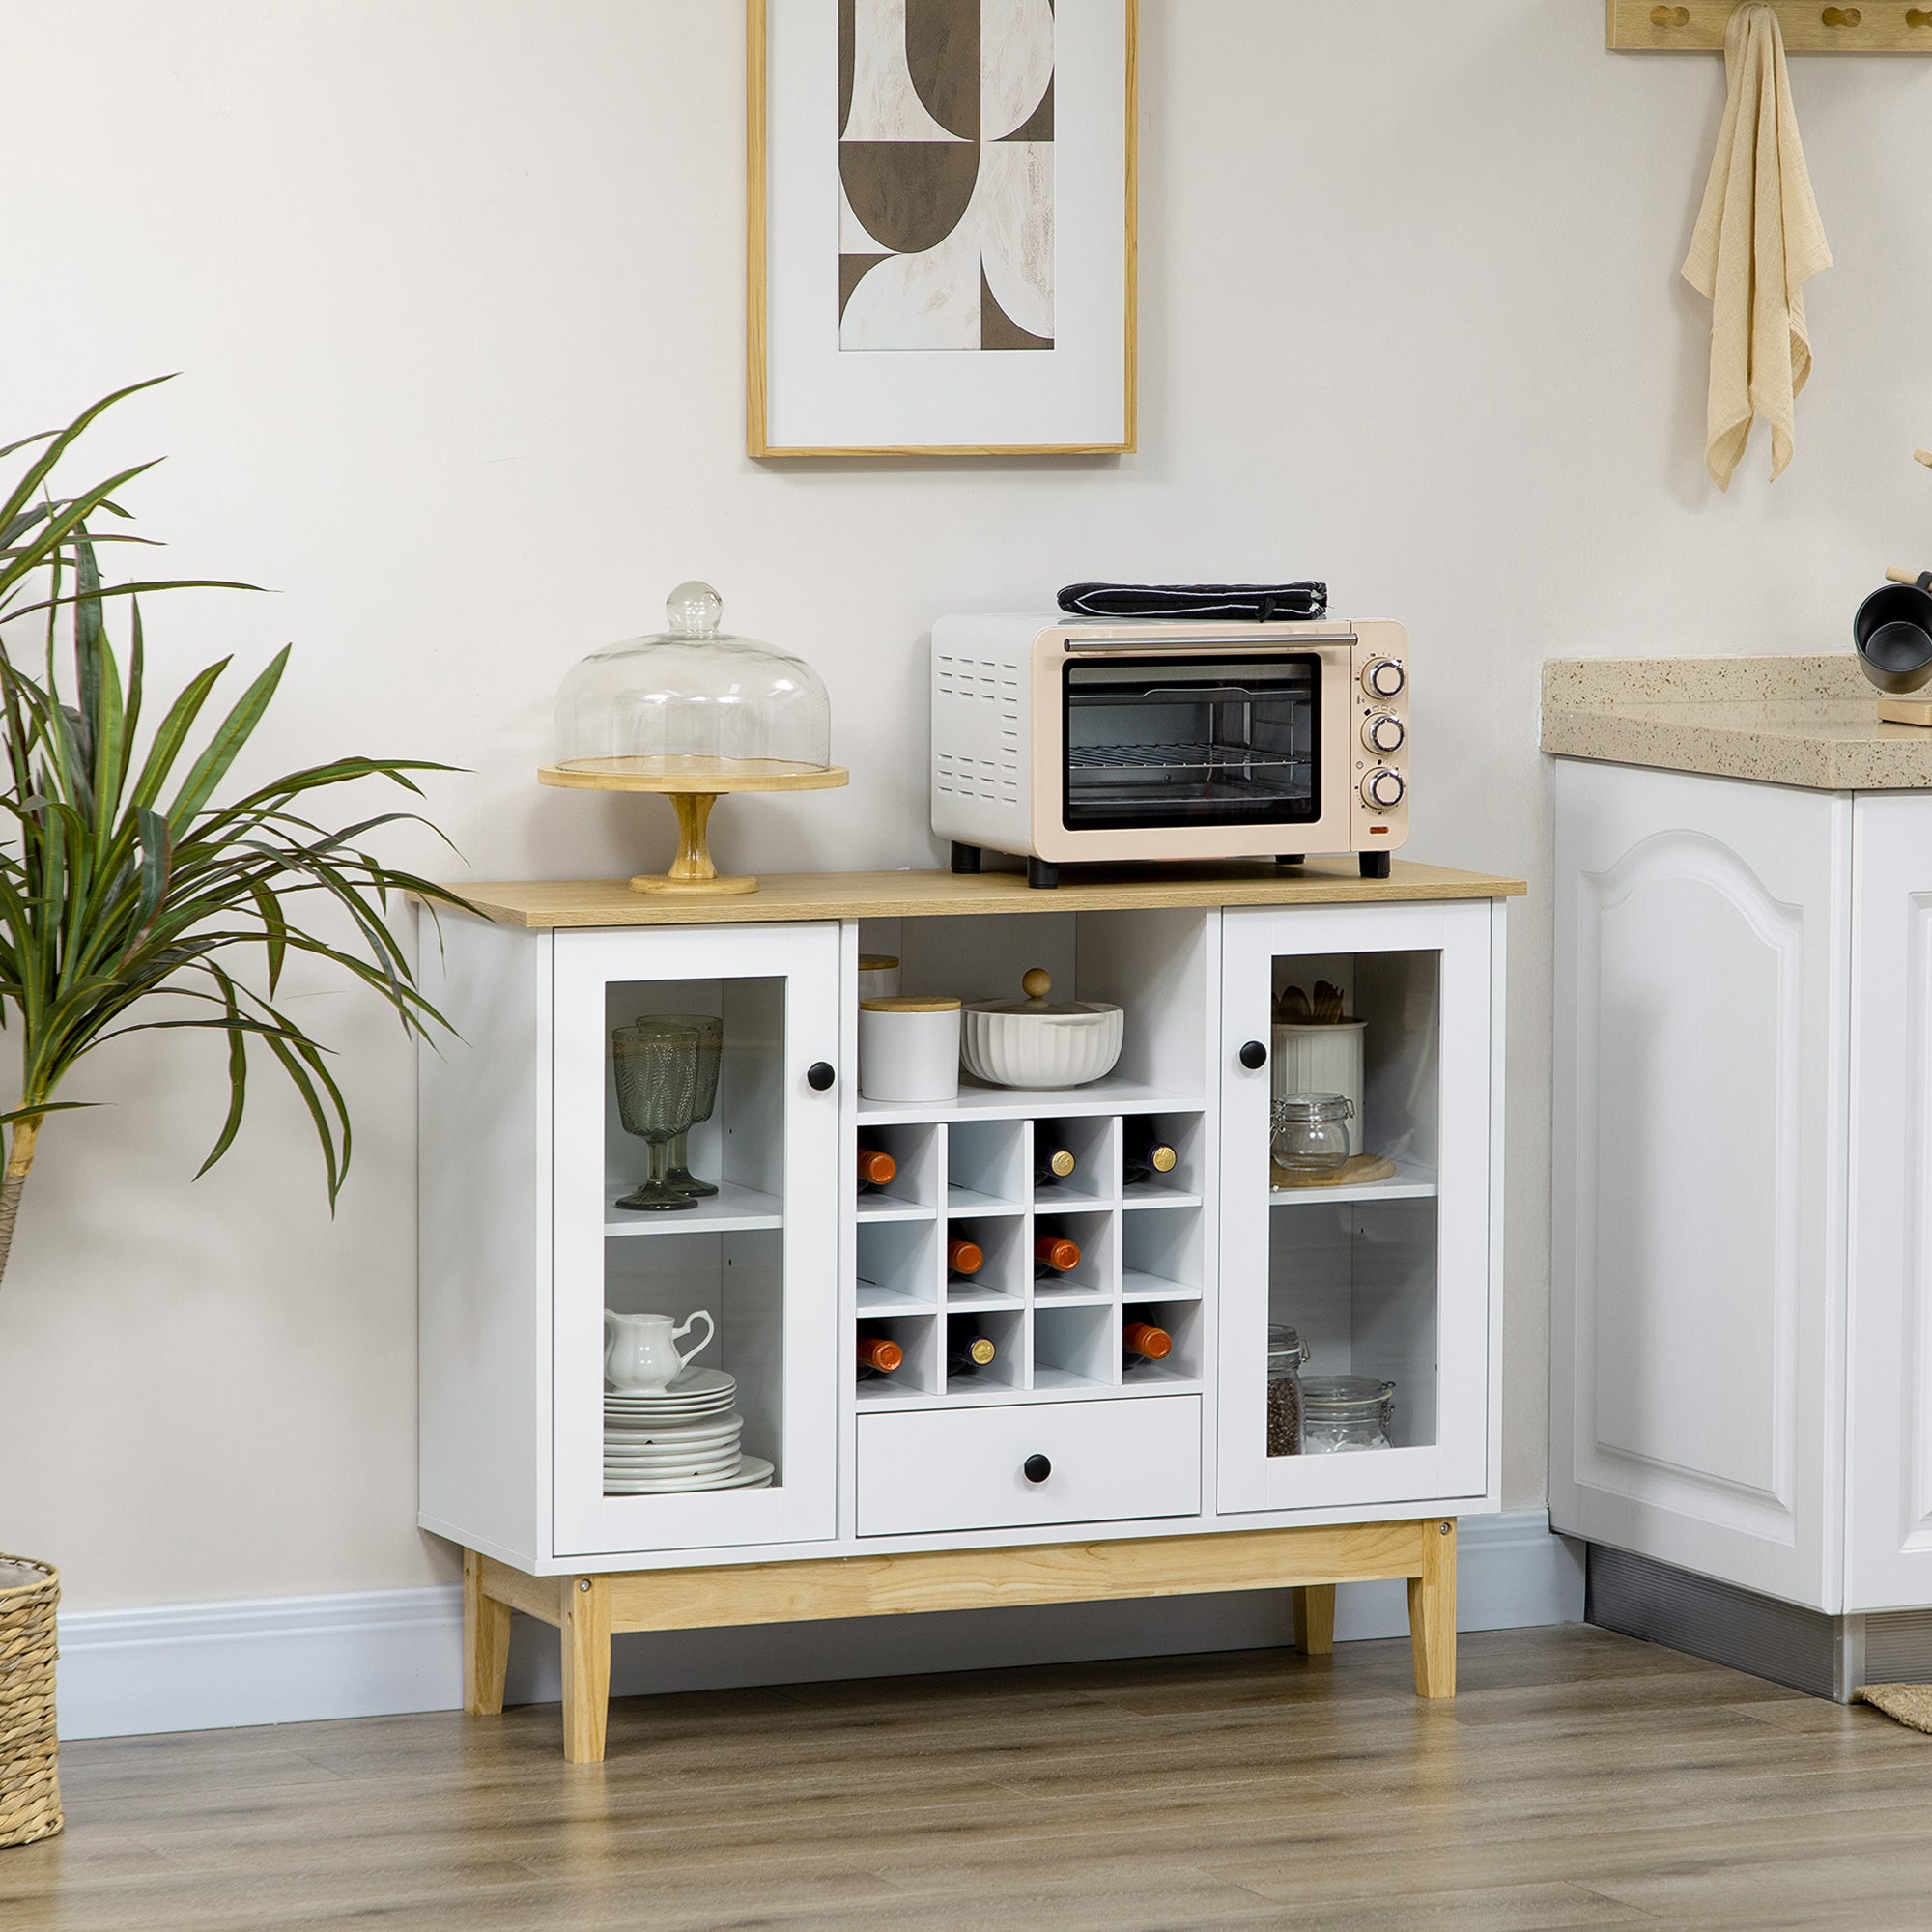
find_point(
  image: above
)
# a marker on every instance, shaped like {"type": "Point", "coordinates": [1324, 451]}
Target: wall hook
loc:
{"type": "Point", "coordinates": [1809, 27]}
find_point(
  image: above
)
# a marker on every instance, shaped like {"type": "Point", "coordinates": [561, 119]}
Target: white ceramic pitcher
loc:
{"type": "Point", "coordinates": [641, 1351]}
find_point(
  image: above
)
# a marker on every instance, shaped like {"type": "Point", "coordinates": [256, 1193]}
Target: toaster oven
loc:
{"type": "Point", "coordinates": [1072, 741]}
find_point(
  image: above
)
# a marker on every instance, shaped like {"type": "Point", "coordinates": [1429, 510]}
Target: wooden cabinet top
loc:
{"type": "Point", "coordinates": [549, 903]}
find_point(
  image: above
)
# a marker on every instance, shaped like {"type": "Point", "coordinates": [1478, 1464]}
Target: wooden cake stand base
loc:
{"type": "Point", "coordinates": [693, 786]}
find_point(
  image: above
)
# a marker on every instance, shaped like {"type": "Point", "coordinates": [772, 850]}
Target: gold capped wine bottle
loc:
{"type": "Point", "coordinates": [1051, 1163]}
{"type": "Point", "coordinates": [968, 1352]}
{"type": "Point", "coordinates": [1144, 1154]}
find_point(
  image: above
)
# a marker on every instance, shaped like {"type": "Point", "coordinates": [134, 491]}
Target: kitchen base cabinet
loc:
{"type": "Point", "coordinates": [1742, 1234]}
{"type": "Point", "coordinates": [1017, 1410]}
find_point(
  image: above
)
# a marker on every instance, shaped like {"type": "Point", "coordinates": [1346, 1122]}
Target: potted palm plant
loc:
{"type": "Point", "coordinates": [134, 896]}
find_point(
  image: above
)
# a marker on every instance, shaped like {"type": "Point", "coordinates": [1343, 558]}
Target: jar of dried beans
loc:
{"type": "Point", "coordinates": [1286, 1356]}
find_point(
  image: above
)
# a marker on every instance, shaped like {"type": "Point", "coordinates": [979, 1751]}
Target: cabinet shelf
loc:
{"type": "Point", "coordinates": [963, 1204]}
{"type": "Point", "coordinates": [894, 1207]}
{"type": "Point", "coordinates": [1406, 1184]}
{"type": "Point", "coordinates": [977, 1302]}
{"type": "Point", "coordinates": [1146, 1194]}
{"type": "Point", "coordinates": [876, 1301]}
{"type": "Point", "coordinates": [1138, 1287]}
{"type": "Point", "coordinates": [1046, 1297]}
{"type": "Point", "coordinates": [731, 1210]}
{"type": "Point", "coordinates": [1019, 1103]}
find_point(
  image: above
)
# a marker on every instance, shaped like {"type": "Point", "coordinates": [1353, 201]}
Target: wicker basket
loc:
{"type": "Point", "coordinates": [30, 1805]}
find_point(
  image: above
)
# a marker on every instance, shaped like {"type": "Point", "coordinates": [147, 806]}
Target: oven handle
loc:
{"type": "Point", "coordinates": [1240, 693]}
{"type": "Point", "coordinates": [1126, 647]}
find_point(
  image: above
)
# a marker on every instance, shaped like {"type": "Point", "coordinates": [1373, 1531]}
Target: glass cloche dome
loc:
{"type": "Point", "coordinates": [692, 715]}
{"type": "Point", "coordinates": [691, 697]}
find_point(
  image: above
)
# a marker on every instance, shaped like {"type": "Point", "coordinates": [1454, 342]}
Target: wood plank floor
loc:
{"type": "Point", "coordinates": [1579, 1780]}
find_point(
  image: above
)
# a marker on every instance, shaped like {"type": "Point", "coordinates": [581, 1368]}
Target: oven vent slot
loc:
{"type": "Point", "coordinates": [974, 682]}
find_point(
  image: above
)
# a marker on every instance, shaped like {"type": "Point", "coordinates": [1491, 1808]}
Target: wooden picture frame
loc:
{"type": "Point", "coordinates": [808, 392]}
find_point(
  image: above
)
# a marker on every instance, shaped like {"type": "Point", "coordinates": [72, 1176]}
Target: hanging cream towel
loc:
{"type": "Point", "coordinates": [1758, 241]}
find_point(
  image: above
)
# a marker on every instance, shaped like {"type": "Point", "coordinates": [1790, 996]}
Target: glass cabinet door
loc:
{"type": "Point", "coordinates": [1354, 1355]}
{"type": "Point", "coordinates": [694, 1204]}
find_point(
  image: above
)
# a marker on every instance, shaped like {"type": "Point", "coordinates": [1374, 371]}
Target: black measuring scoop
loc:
{"type": "Point", "coordinates": [1893, 632]}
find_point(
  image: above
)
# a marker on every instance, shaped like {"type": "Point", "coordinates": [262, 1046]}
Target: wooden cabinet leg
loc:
{"type": "Point", "coordinates": [587, 1668]}
{"type": "Point", "coordinates": [1432, 1611]}
{"type": "Point", "coordinates": [1314, 1619]}
{"type": "Point", "coordinates": [486, 1643]}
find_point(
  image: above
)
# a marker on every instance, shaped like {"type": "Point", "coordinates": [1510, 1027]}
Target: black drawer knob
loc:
{"type": "Point", "coordinates": [1035, 1469]}
{"type": "Point", "coordinates": [1254, 1054]}
{"type": "Point", "coordinates": [818, 1076]}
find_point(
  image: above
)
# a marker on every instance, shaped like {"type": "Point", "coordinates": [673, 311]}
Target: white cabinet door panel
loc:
{"type": "Point", "coordinates": [1396, 1285]}
{"type": "Point", "coordinates": [761, 1256]}
{"type": "Point", "coordinates": [1888, 1526]}
{"type": "Point", "coordinates": [1697, 1252]}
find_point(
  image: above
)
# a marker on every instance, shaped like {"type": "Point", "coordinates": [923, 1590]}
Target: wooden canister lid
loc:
{"type": "Point", "coordinates": [878, 962]}
{"type": "Point", "coordinates": [931, 1003]}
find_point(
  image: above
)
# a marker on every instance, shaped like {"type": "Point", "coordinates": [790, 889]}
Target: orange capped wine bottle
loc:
{"type": "Point", "coordinates": [964, 1257]}
{"type": "Point", "coordinates": [1145, 1342]}
{"type": "Point", "coordinates": [876, 1167]}
{"type": "Point", "coordinates": [1055, 1253]}
{"type": "Point", "coordinates": [879, 1355]}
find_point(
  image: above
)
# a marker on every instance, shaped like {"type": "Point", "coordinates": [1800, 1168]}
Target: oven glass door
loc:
{"type": "Point", "coordinates": [1232, 740]}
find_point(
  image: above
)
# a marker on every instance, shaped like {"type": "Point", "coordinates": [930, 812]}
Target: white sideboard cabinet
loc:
{"type": "Point", "coordinates": [1742, 1265]}
{"type": "Point", "coordinates": [1064, 1468]}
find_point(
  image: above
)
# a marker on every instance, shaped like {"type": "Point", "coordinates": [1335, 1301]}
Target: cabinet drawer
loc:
{"type": "Point", "coordinates": [927, 1471]}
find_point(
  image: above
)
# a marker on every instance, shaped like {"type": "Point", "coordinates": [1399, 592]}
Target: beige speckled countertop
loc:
{"type": "Point", "coordinates": [1808, 722]}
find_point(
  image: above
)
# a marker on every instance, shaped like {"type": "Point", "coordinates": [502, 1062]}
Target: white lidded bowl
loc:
{"type": "Point", "coordinates": [1033, 1042]}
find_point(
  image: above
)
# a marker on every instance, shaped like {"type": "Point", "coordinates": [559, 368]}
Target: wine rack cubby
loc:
{"type": "Point", "coordinates": [1142, 1258]}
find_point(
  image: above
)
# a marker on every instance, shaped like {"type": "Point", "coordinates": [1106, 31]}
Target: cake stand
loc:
{"type": "Point", "coordinates": [693, 786]}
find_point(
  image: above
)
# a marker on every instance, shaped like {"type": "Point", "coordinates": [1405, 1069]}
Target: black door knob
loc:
{"type": "Point", "coordinates": [1254, 1054]}
{"type": "Point", "coordinates": [1035, 1469]}
{"type": "Point", "coordinates": [818, 1076]}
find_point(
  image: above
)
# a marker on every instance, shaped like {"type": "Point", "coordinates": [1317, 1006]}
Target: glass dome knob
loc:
{"type": "Point", "coordinates": [693, 609]}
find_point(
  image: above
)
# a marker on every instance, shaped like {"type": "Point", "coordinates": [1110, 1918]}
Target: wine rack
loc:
{"type": "Point", "coordinates": [1142, 1258]}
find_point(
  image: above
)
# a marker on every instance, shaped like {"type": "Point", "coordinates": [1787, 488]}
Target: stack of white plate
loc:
{"type": "Point", "coordinates": [680, 1438]}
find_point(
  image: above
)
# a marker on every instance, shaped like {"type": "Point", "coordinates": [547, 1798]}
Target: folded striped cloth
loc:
{"type": "Point", "coordinates": [1263, 603]}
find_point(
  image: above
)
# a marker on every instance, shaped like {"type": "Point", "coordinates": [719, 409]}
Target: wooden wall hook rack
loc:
{"type": "Point", "coordinates": [1811, 27]}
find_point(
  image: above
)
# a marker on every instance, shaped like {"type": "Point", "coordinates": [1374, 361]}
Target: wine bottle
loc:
{"type": "Point", "coordinates": [1051, 1164]}
{"type": "Point", "coordinates": [1055, 1254]}
{"type": "Point", "coordinates": [964, 1258]}
{"type": "Point", "coordinates": [967, 1351]}
{"type": "Point", "coordinates": [1144, 1154]}
{"type": "Point", "coordinates": [876, 1167]}
{"type": "Point", "coordinates": [1143, 1341]}
{"type": "Point", "coordinates": [879, 1356]}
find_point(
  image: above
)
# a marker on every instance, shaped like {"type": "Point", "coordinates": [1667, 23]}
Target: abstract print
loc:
{"type": "Point", "coordinates": [946, 173]}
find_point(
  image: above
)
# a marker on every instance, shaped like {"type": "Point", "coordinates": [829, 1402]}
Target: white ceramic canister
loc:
{"type": "Point", "coordinates": [878, 976]}
{"type": "Point", "coordinates": [1311, 1058]}
{"type": "Point", "coordinates": [909, 1049]}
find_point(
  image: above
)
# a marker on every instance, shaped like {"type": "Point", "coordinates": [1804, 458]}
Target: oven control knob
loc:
{"type": "Point", "coordinates": [1383, 732]}
{"type": "Point", "coordinates": [1383, 789]}
{"type": "Point", "coordinates": [1382, 677]}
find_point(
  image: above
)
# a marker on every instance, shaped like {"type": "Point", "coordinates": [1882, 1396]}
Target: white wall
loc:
{"type": "Point", "coordinates": [456, 287]}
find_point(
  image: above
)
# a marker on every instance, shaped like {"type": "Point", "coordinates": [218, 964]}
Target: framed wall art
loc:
{"type": "Point", "coordinates": [941, 227]}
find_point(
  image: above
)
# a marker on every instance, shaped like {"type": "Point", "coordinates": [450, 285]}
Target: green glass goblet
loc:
{"type": "Point", "coordinates": [655, 1067]}
{"type": "Point", "coordinates": [710, 1052]}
